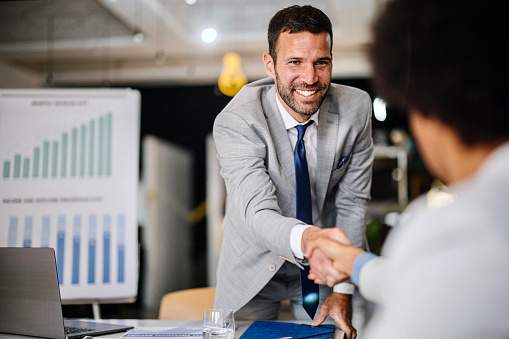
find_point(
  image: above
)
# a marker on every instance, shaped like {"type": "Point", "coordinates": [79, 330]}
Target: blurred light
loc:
{"type": "Point", "coordinates": [232, 78]}
{"type": "Point", "coordinates": [190, 2]}
{"type": "Point", "coordinates": [379, 109]}
{"type": "Point", "coordinates": [138, 36]}
{"type": "Point", "coordinates": [209, 35]}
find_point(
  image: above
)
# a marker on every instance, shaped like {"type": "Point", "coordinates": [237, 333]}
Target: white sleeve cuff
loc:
{"type": "Point", "coordinates": [296, 240]}
{"type": "Point", "coordinates": [345, 288]}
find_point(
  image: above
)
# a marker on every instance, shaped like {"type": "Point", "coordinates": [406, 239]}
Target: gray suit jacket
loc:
{"type": "Point", "coordinates": [257, 165]}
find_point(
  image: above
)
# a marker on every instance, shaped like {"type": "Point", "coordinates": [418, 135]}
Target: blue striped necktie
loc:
{"type": "Point", "coordinates": [309, 289]}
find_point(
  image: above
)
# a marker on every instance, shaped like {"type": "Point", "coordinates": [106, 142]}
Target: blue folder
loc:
{"type": "Point", "coordinates": [277, 330]}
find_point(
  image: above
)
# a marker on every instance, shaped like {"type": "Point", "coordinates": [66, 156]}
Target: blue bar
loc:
{"type": "Point", "coordinates": [27, 236]}
{"type": "Point", "coordinates": [46, 222]}
{"type": "Point", "coordinates": [121, 248]}
{"type": "Point", "coordinates": [106, 247]}
{"type": "Point", "coordinates": [60, 248]}
{"type": "Point", "coordinates": [76, 250]}
{"type": "Point", "coordinates": [13, 231]}
{"type": "Point", "coordinates": [92, 234]}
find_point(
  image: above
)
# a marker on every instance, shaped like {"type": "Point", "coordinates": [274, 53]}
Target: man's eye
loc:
{"type": "Point", "coordinates": [294, 62]}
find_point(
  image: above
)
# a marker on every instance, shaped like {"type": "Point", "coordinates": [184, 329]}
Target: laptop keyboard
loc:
{"type": "Point", "coordinates": [74, 330]}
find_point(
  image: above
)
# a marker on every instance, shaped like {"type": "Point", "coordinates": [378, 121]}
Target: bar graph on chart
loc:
{"type": "Point", "coordinates": [83, 151]}
{"type": "Point", "coordinates": [86, 235]}
{"type": "Point", "coordinates": [69, 180]}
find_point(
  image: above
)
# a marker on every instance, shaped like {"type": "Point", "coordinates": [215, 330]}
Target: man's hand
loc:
{"type": "Point", "coordinates": [322, 270]}
{"type": "Point", "coordinates": [337, 306]}
{"type": "Point", "coordinates": [313, 233]}
{"type": "Point", "coordinates": [321, 264]}
{"type": "Point", "coordinates": [341, 255]}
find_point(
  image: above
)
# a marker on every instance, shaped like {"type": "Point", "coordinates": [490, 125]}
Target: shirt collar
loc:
{"type": "Point", "coordinates": [290, 121]}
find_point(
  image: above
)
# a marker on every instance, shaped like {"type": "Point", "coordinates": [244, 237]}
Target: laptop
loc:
{"type": "Point", "coordinates": [30, 298]}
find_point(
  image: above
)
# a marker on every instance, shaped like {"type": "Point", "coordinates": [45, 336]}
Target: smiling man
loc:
{"type": "Point", "coordinates": [296, 154]}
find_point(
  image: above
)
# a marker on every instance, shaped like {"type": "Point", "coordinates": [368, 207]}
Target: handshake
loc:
{"type": "Point", "coordinates": [330, 253]}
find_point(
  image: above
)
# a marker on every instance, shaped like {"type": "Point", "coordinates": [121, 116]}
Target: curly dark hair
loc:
{"type": "Point", "coordinates": [295, 19]}
{"type": "Point", "coordinates": [446, 59]}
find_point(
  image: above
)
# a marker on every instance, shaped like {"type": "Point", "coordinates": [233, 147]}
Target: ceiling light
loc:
{"type": "Point", "coordinates": [209, 35]}
{"type": "Point", "coordinates": [138, 36]}
{"type": "Point", "coordinates": [190, 2]}
{"type": "Point", "coordinates": [232, 78]}
{"type": "Point", "coordinates": [379, 109]}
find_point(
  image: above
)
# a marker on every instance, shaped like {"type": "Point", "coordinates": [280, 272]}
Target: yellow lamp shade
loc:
{"type": "Point", "coordinates": [232, 78]}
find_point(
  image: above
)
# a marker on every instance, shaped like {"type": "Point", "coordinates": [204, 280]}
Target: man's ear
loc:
{"type": "Point", "coordinates": [269, 65]}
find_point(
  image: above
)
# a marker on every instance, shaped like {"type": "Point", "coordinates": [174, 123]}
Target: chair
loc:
{"type": "Point", "coordinates": [187, 304]}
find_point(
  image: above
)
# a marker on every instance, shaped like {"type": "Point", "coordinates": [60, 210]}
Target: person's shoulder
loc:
{"type": "Point", "coordinates": [254, 90]}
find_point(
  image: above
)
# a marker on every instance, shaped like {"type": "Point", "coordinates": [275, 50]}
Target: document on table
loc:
{"type": "Point", "coordinates": [282, 330]}
{"type": "Point", "coordinates": [165, 332]}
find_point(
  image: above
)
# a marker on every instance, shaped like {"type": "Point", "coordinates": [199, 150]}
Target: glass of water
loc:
{"type": "Point", "coordinates": [218, 324]}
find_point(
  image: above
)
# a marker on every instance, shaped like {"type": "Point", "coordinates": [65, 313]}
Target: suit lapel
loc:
{"type": "Point", "coordinates": [326, 148]}
{"type": "Point", "coordinates": [280, 137]}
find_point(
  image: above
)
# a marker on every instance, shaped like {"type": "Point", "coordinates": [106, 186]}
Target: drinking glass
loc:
{"type": "Point", "coordinates": [218, 324]}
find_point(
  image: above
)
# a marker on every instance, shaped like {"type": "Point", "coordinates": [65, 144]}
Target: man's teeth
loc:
{"type": "Point", "coordinates": [305, 93]}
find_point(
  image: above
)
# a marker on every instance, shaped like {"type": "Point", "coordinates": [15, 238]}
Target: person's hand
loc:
{"type": "Point", "coordinates": [312, 233]}
{"type": "Point", "coordinates": [341, 255]}
{"type": "Point", "coordinates": [322, 266]}
{"type": "Point", "coordinates": [322, 270]}
{"type": "Point", "coordinates": [337, 306]}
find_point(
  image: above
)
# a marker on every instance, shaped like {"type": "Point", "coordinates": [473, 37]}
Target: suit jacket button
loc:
{"type": "Point", "coordinates": [272, 268]}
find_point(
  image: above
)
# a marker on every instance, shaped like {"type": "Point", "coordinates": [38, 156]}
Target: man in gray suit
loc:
{"type": "Point", "coordinates": [255, 135]}
{"type": "Point", "coordinates": [443, 273]}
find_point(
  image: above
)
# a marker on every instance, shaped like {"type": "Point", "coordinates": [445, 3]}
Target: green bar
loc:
{"type": "Point", "coordinates": [17, 161]}
{"type": "Point", "coordinates": [100, 147]}
{"type": "Point", "coordinates": [45, 158]}
{"type": "Point", "coordinates": [82, 148]}
{"type": "Point", "coordinates": [26, 167]}
{"type": "Point", "coordinates": [7, 168]}
{"type": "Point", "coordinates": [74, 143]}
{"type": "Point", "coordinates": [63, 164]}
{"type": "Point", "coordinates": [54, 159]}
{"type": "Point", "coordinates": [35, 169]}
{"type": "Point", "coordinates": [91, 149]}
{"type": "Point", "coordinates": [108, 143]}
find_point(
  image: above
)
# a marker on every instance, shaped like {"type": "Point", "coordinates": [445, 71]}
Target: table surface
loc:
{"type": "Point", "coordinates": [241, 326]}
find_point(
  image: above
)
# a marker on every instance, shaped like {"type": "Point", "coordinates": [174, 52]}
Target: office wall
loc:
{"type": "Point", "coordinates": [14, 77]}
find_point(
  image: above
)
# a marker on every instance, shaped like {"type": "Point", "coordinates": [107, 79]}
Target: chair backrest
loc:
{"type": "Point", "coordinates": [187, 304]}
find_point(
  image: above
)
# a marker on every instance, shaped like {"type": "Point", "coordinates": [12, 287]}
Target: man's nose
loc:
{"type": "Point", "coordinates": [309, 74]}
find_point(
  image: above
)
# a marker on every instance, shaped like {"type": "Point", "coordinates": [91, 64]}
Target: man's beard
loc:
{"type": "Point", "coordinates": [305, 108]}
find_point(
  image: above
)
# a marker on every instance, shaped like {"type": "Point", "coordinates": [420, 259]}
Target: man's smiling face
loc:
{"type": "Point", "coordinates": [302, 71]}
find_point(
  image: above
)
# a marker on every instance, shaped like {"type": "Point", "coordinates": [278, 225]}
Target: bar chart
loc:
{"type": "Point", "coordinates": [88, 235]}
{"type": "Point", "coordinates": [79, 152]}
{"type": "Point", "coordinates": [69, 180]}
